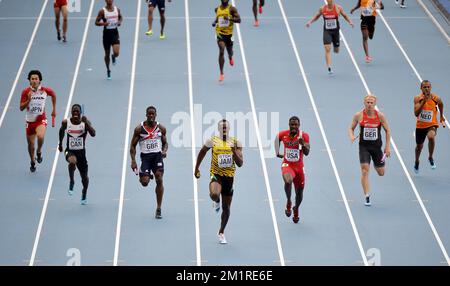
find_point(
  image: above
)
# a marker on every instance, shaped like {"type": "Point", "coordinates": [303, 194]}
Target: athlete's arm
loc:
{"type": "Point", "coordinates": [345, 16]}
{"type": "Point", "coordinates": [277, 147]}
{"type": "Point", "coordinates": [214, 23]}
{"type": "Point", "coordinates": [238, 157]}
{"type": "Point", "coordinates": [235, 17]}
{"type": "Point", "coordinates": [387, 146]}
{"type": "Point", "coordinates": [53, 95]}
{"type": "Point", "coordinates": [25, 100]}
{"type": "Point", "coordinates": [88, 124]}
{"type": "Point", "coordinates": [62, 130]}
{"type": "Point", "coordinates": [99, 20]}
{"type": "Point", "coordinates": [208, 145]}
{"type": "Point", "coordinates": [120, 17]}
{"type": "Point", "coordinates": [165, 146]}
{"type": "Point", "coordinates": [313, 19]}
{"type": "Point", "coordinates": [419, 102]}
{"type": "Point", "coordinates": [133, 144]}
{"type": "Point", "coordinates": [352, 127]}
{"type": "Point", "coordinates": [304, 141]}
{"type": "Point", "coordinates": [358, 4]}
{"type": "Point", "coordinates": [441, 110]}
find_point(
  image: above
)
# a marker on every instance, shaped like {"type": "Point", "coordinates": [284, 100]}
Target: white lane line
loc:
{"type": "Point", "coordinates": [322, 131]}
{"type": "Point", "coordinates": [55, 161]}
{"type": "Point", "coordinates": [127, 138]}
{"type": "Point", "coordinates": [191, 112]}
{"type": "Point", "coordinates": [261, 152]}
{"type": "Point", "coordinates": [435, 22]}
{"type": "Point", "coordinates": [22, 64]}
{"type": "Point", "coordinates": [436, 235]}
{"type": "Point", "coordinates": [405, 55]}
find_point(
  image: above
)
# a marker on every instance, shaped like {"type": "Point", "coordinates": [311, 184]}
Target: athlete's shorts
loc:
{"type": "Point", "coordinates": [30, 127]}
{"type": "Point", "coordinates": [368, 151]}
{"type": "Point", "coordinates": [59, 3]}
{"type": "Point", "coordinates": [331, 36]}
{"type": "Point", "coordinates": [227, 39]}
{"type": "Point", "coordinates": [161, 4]}
{"type": "Point", "coordinates": [151, 162]}
{"type": "Point", "coordinates": [225, 182]}
{"type": "Point", "coordinates": [296, 172]}
{"type": "Point", "coordinates": [110, 38]}
{"type": "Point", "coordinates": [421, 133]}
{"type": "Point", "coordinates": [82, 163]}
{"type": "Point", "coordinates": [368, 22]}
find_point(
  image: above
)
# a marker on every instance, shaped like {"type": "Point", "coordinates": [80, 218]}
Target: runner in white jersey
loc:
{"type": "Point", "coordinates": [77, 127]}
{"type": "Point", "coordinates": [110, 18]}
{"type": "Point", "coordinates": [33, 100]}
{"type": "Point", "coordinates": [151, 136]}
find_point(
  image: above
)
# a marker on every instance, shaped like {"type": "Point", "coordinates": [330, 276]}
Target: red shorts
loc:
{"type": "Point", "coordinates": [59, 3]}
{"type": "Point", "coordinates": [296, 172]}
{"type": "Point", "coordinates": [31, 126]}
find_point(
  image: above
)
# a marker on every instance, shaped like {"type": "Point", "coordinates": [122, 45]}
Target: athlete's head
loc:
{"type": "Point", "coordinates": [109, 2]}
{"type": "Point", "coordinates": [224, 2]}
{"type": "Point", "coordinates": [151, 113]}
{"type": "Point", "coordinates": [76, 110]}
{"type": "Point", "coordinates": [35, 78]}
{"type": "Point", "coordinates": [425, 86]}
{"type": "Point", "coordinates": [294, 124]}
{"type": "Point", "coordinates": [224, 128]}
{"type": "Point", "coordinates": [330, 2]}
{"type": "Point", "coordinates": [370, 101]}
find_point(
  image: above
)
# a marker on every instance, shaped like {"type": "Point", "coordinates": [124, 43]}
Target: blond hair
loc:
{"type": "Point", "coordinates": [370, 95]}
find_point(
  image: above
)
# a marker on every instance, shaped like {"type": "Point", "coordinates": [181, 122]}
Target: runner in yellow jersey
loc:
{"type": "Point", "coordinates": [368, 16]}
{"type": "Point", "coordinates": [226, 16]}
{"type": "Point", "coordinates": [226, 154]}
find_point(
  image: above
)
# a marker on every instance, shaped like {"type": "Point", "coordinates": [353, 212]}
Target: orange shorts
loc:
{"type": "Point", "coordinates": [31, 126]}
{"type": "Point", "coordinates": [296, 172]}
{"type": "Point", "coordinates": [59, 3]}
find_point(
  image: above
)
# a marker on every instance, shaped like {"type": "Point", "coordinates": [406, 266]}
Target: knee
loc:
{"type": "Point", "coordinates": [365, 172]}
{"type": "Point", "coordinates": [72, 164]}
{"type": "Point", "coordinates": [214, 196]}
{"type": "Point", "coordinates": [380, 172]}
{"type": "Point", "coordinates": [65, 19]}
{"type": "Point", "coordinates": [85, 179]}
{"type": "Point", "coordinates": [430, 138]}
{"type": "Point", "coordinates": [159, 181]}
{"type": "Point", "coordinates": [144, 181]}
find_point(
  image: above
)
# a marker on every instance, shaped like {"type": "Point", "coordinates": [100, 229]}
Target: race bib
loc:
{"type": "Point", "coordinates": [223, 22]}
{"type": "Point", "coordinates": [76, 143]}
{"type": "Point", "coordinates": [152, 145]}
{"type": "Point", "coordinates": [330, 24]}
{"type": "Point", "coordinates": [36, 109]}
{"type": "Point", "coordinates": [367, 11]}
{"type": "Point", "coordinates": [225, 160]}
{"type": "Point", "coordinates": [292, 155]}
{"type": "Point", "coordinates": [426, 116]}
{"type": "Point", "coordinates": [370, 134]}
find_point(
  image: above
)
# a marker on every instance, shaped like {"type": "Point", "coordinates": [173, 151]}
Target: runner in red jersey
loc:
{"type": "Point", "coordinates": [296, 144]}
{"type": "Point", "coordinates": [33, 100]}
{"type": "Point", "coordinates": [60, 7]}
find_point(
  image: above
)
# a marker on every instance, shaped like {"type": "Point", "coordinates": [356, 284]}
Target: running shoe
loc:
{"type": "Point", "coordinates": [58, 35]}
{"type": "Point", "coordinates": [396, 1]}
{"type": "Point", "coordinates": [108, 75]}
{"type": "Point", "coordinates": [256, 23]}
{"type": "Point", "coordinates": [39, 157]}
{"type": "Point", "coordinates": [416, 167]}
{"type": "Point", "coordinates": [260, 9]}
{"type": "Point", "coordinates": [216, 206]}
{"type": "Point", "coordinates": [70, 191]}
{"type": "Point", "coordinates": [288, 210]}
{"type": "Point", "coordinates": [368, 59]}
{"type": "Point", "coordinates": [162, 36]}
{"type": "Point", "coordinates": [113, 59]}
{"type": "Point", "coordinates": [222, 239]}
{"type": "Point", "coordinates": [83, 199]}
{"type": "Point", "coordinates": [32, 167]}
{"type": "Point", "coordinates": [295, 218]}
{"type": "Point", "coordinates": [433, 165]}
{"type": "Point", "coordinates": [330, 72]}
{"type": "Point", "coordinates": [231, 62]}
{"type": "Point", "coordinates": [64, 39]}
{"type": "Point", "coordinates": [403, 5]}
{"type": "Point", "coordinates": [221, 77]}
{"type": "Point", "coordinates": [158, 214]}
{"type": "Point", "coordinates": [368, 203]}
{"type": "Point", "coordinates": [149, 32]}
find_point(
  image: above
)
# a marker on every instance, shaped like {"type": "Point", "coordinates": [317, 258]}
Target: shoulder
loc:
{"type": "Point", "coordinates": [358, 115]}
{"type": "Point", "coordinates": [305, 136]}
{"type": "Point", "coordinates": [435, 98]}
{"type": "Point", "coordinates": [162, 128]}
{"type": "Point", "coordinates": [137, 128]}
{"type": "Point", "coordinates": [49, 91]}
{"type": "Point", "coordinates": [233, 9]}
{"type": "Point", "coordinates": [282, 133]}
{"type": "Point", "coordinates": [417, 98]}
{"type": "Point", "coordinates": [209, 143]}
{"type": "Point", "coordinates": [25, 91]}
{"type": "Point", "coordinates": [381, 116]}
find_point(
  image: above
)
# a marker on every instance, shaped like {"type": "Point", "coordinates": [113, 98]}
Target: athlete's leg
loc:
{"type": "Point", "coordinates": [431, 142]}
{"type": "Point", "coordinates": [255, 9]}
{"type": "Point", "coordinates": [159, 189]}
{"type": "Point", "coordinates": [107, 57]}
{"type": "Point", "coordinates": [365, 37]}
{"type": "Point", "coordinates": [214, 190]}
{"type": "Point", "coordinates": [221, 45]}
{"type": "Point", "coordinates": [162, 20]}
{"type": "Point", "coordinates": [30, 140]}
{"type": "Point", "coordinates": [116, 50]}
{"type": "Point", "coordinates": [40, 133]}
{"type": "Point", "coordinates": [150, 17]}
{"type": "Point", "coordinates": [57, 17]}
{"type": "Point", "coordinates": [226, 204]}
{"type": "Point", "coordinates": [365, 178]}
{"type": "Point", "coordinates": [72, 166]}
{"type": "Point", "coordinates": [287, 178]}
{"type": "Point", "coordinates": [65, 16]}
{"type": "Point", "coordinates": [328, 55]}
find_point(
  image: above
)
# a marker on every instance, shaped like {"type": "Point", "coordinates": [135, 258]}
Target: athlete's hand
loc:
{"type": "Point", "coordinates": [387, 151]}
{"type": "Point", "coordinates": [60, 148]}
{"type": "Point", "coordinates": [351, 24]}
{"type": "Point", "coordinates": [53, 113]}
{"type": "Point", "coordinates": [352, 138]}
{"type": "Point", "coordinates": [197, 173]}
{"type": "Point", "coordinates": [133, 166]}
{"type": "Point", "coordinates": [442, 121]}
{"type": "Point", "coordinates": [301, 141]}
{"type": "Point", "coordinates": [164, 153]}
{"type": "Point", "coordinates": [280, 156]}
{"type": "Point", "coordinates": [308, 24]}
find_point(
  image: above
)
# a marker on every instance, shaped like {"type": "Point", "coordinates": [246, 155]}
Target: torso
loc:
{"type": "Point", "coordinates": [370, 129]}
{"type": "Point", "coordinates": [222, 162]}
{"type": "Point", "coordinates": [76, 135]}
{"type": "Point", "coordinates": [36, 107]}
{"type": "Point", "coordinates": [330, 17]}
{"type": "Point", "coordinates": [224, 26]}
{"type": "Point", "coordinates": [111, 17]}
{"type": "Point", "coordinates": [293, 153]}
{"type": "Point", "coordinates": [150, 139]}
{"type": "Point", "coordinates": [428, 115]}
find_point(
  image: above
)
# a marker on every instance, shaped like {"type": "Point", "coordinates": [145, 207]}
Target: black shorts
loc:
{"type": "Point", "coordinates": [227, 39]}
{"type": "Point", "coordinates": [225, 182]}
{"type": "Point", "coordinates": [368, 151]}
{"type": "Point", "coordinates": [151, 162]}
{"type": "Point", "coordinates": [82, 163]}
{"type": "Point", "coordinates": [368, 22]}
{"type": "Point", "coordinates": [110, 38]}
{"type": "Point", "coordinates": [331, 36]}
{"type": "Point", "coordinates": [421, 134]}
{"type": "Point", "coordinates": [161, 4]}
